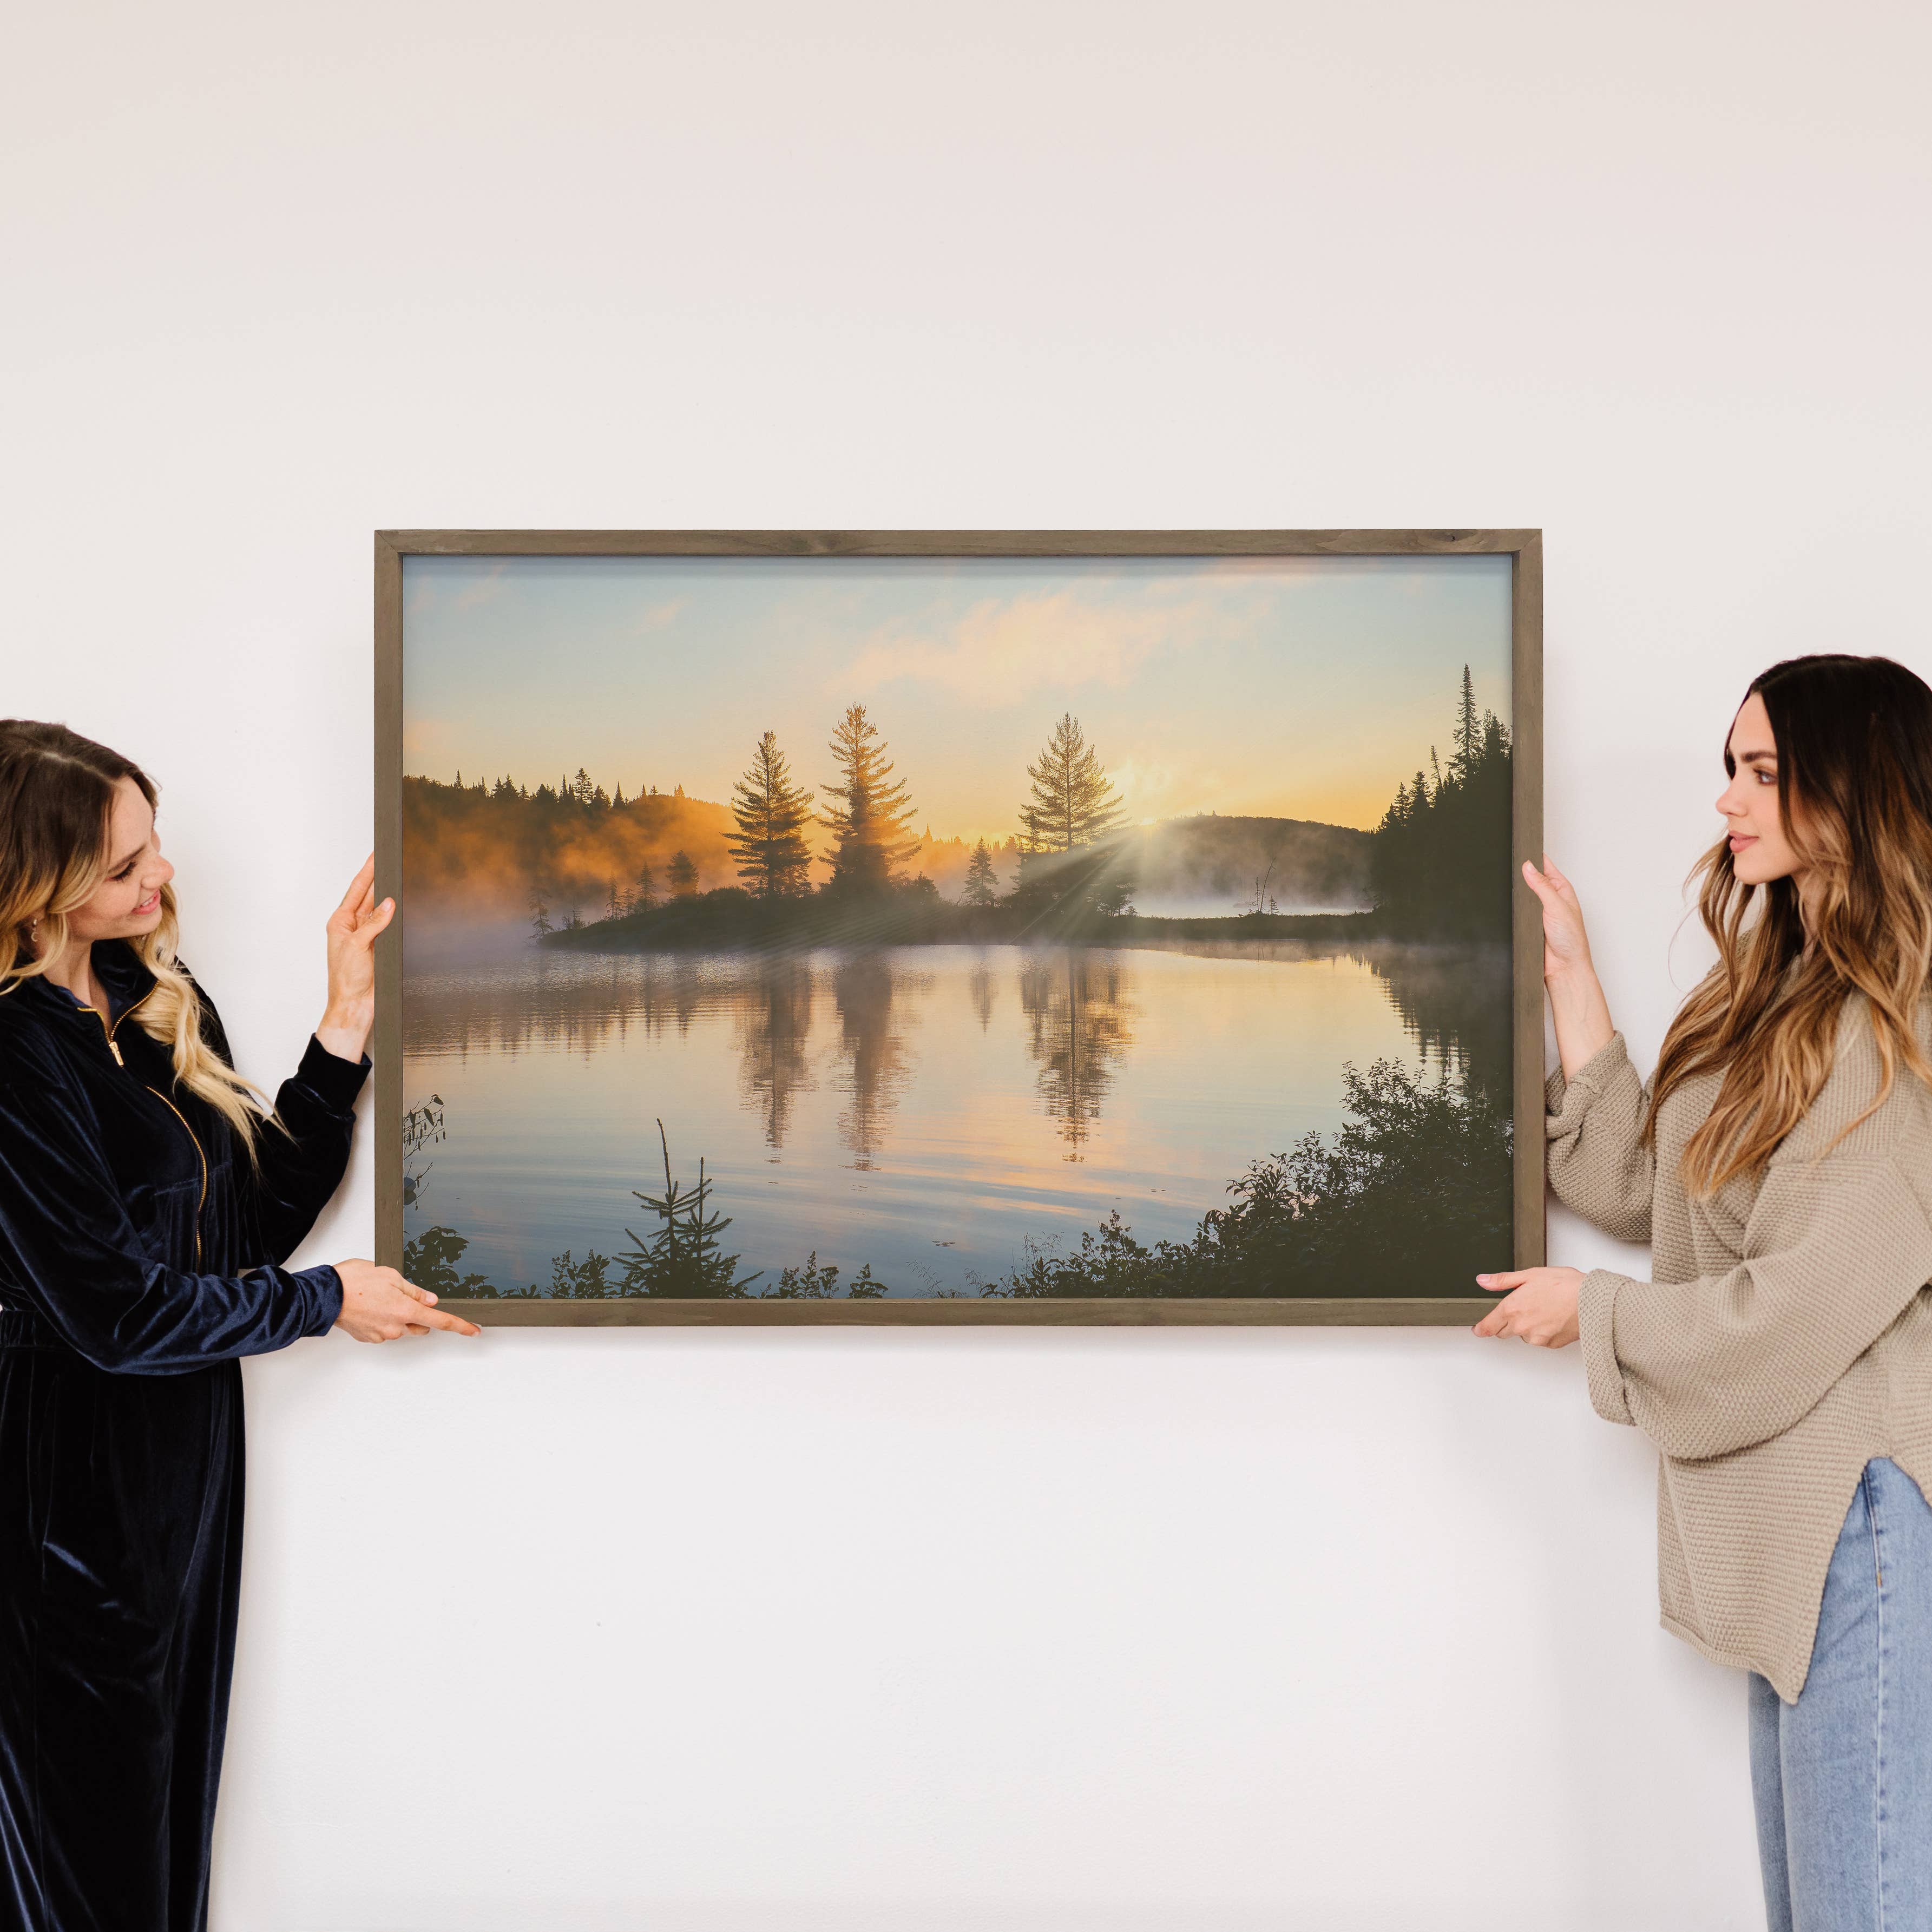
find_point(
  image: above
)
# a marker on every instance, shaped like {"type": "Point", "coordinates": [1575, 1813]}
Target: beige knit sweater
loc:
{"type": "Point", "coordinates": [1786, 1340]}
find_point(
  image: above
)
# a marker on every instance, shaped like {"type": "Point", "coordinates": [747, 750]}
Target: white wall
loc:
{"type": "Point", "coordinates": [738, 1632]}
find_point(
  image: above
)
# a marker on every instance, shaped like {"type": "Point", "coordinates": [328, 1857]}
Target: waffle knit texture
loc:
{"type": "Point", "coordinates": [1785, 1340]}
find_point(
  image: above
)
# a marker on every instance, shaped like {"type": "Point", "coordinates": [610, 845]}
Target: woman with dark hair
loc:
{"type": "Point", "coordinates": [1779, 1161]}
{"type": "Point", "coordinates": [149, 1201]}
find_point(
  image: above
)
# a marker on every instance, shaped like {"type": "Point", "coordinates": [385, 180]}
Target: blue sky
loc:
{"type": "Point", "coordinates": [1307, 688]}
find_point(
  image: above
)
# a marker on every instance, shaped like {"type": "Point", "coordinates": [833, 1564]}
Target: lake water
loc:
{"type": "Point", "coordinates": [925, 1109]}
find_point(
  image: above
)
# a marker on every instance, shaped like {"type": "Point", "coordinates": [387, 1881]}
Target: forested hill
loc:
{"type": "Point", "coordinates": [1253, 864]}
{"type": "Point", "coordinates": [490, 849]}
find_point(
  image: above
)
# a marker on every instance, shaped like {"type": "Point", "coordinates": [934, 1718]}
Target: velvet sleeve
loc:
{"type": "Point", "coordinates": [297, 1170]}
{"type": "Point", "coordinates": [75, 1258]}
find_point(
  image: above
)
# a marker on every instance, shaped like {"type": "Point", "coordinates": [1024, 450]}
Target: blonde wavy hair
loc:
{"type": "Point", "coordinates": [1854, 742]}
{"type": "Point", "coordinates": [56, 805]}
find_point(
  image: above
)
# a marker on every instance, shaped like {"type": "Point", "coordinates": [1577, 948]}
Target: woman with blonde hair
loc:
{"type": "Point", "coordinates": [149, 1201]}
{"type": "Point", "coordinates": [1779, 1161]}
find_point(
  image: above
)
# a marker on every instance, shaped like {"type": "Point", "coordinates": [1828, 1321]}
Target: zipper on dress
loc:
{"type": "Point", "coordinates": [201, 1153]}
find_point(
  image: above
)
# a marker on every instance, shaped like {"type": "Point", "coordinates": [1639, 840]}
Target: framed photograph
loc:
{"type": "Point", "coordinates": [959, 926]}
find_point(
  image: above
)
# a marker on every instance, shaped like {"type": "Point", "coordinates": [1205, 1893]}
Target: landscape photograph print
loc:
{"type": "Point", "coordinates": [877, 929]}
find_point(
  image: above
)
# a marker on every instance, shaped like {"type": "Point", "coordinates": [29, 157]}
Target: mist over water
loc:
{"type": "Point", "coordinates": [921, 1109]}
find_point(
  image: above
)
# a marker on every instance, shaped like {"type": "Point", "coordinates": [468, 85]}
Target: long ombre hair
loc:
{"type": "Point", "coordinates": [56, 806]}
{"type": "Point", "coordinates": [1854, 742]}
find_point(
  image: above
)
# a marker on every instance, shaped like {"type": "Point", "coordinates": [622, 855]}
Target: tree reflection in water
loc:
{"type": "Point", "coordinates": [872, 1027]}
{"type": "Point", "coordinates": [772, 1010]}
{"type": "Point", "coordinates": [983, 991]}
{"type": "Point", "coordinates": [585, 1007]}
{"type": "Point", "coordinates": [1079, 1031]}
{"type": "Point", "coordinates": [1454, 1001]}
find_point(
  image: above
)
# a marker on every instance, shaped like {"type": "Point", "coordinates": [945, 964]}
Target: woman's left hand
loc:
{"type": "Point", "coordinates": [352, 929]}
{"type": "Point", "coordinates": [1539, 1305]}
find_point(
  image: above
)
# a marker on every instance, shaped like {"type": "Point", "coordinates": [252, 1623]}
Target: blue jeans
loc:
{"type": "Point", "coordinates": [1842, 1780]}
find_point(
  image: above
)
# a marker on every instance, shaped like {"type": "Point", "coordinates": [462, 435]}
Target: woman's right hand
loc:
{"type": "Point", "coordinates": [1566, 946]}
{"type": "Point", "coordinates": [1577, 1007]}
{"type": "Point", "coordinates": [378, 1305]}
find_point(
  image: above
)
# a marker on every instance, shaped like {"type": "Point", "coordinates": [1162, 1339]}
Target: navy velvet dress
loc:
{"type": "Point", "coordinates": [140, 1257]}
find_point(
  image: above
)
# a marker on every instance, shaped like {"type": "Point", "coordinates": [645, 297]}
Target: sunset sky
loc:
{"type": "Point", "coordinates": [1304, 688]}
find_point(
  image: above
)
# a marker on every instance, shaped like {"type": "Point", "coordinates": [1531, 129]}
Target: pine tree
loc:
{"type": "Point", "coordinates": [682, 874]}
{"type": "Point", "coordinates": [1440, 864]}
{"type": "Point", "coordinates": [773, 813]}
{"type": "Point", "coordinates": [581, 789]}
{"type": "Point", "coordinates": [1073, 803]}
{"type": "Point", "coordinates": [684, 1256]}
{"type": "Point", "coordinates": [871, 824]}
{"type": "Point", "coordinates": [1467, 735]}
{"type": "Point", "coordinates": [643, 890]}
{"type": "Point", "coordinates": [540, 915]}
{"type": "Point", "coordinates": [982, 887]}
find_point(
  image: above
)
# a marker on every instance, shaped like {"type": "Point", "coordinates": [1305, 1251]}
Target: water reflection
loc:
{"type": "Point", "coordinates": [1079, 1010]}
{"type": "Point", "coordinates": [980, 989]}
{"type": "Point", "coordinates": [773, 1014]}
{"type": "Point", "coordinates": [873, 1023]}
{"type": "Point", "coordinates": [1455, 1002]}
{"type": "Point", "coordinates": [987, 1095]}
{"type": "Point", "coordinates": [1077, 1029]}
{"type": "Point", "coordinates": [581, 1005]}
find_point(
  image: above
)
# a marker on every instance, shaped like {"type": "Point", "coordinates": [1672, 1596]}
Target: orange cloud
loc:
{"type": "Point", "coordinates": [1004, 649]}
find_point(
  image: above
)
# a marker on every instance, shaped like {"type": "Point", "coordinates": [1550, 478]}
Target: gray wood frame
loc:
{"type": "Point", "coordinates": [1524, 548]}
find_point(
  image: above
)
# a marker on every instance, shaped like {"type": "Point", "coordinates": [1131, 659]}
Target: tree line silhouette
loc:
{"type": "Point", "coordinates": [1439, 860]}
{"type": "Point", "coordinates": [1070, 868]}
{"type": "Point", "coordinates": [1439, 865]}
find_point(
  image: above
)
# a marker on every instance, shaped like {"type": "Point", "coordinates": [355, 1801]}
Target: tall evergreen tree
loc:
{"type": "Point", "coordinates": [682, 874]}
{"type": "Point", "coordinates": [1440, 864]}
{"type": "Point", "coordinates": [773, 858]}
{"type": "Point", "coordinates": [982, 887]}
{"type": "Point", "coordinates": [1073, 803]}
{"type": "Point", "coordinates": [871, 823]}
{"type": "Point", "coordinates": [1467, 735]}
